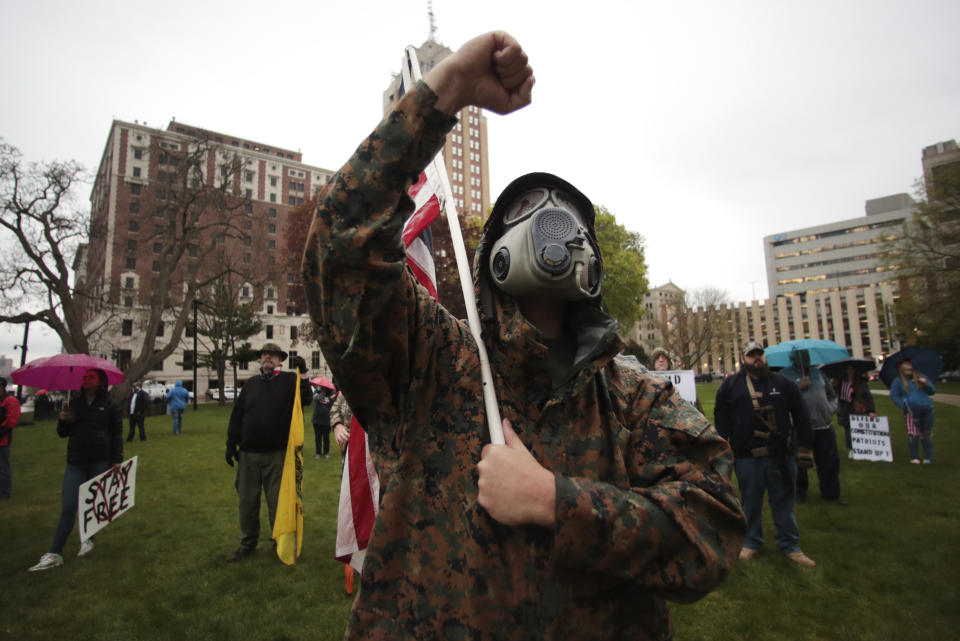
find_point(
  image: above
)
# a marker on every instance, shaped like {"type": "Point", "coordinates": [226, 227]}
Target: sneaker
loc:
{"type": "Point", "coordinates": [800, 558]}
{"type": "Point", "coordinates": [747, 553]}
{"type": "Point", "coordinates": [240, 553]}
{"type": "Point", "coordinates": [316, 457]}
{"type": "Point", "coordinates": [328, 456]}
{"type": "Point", "coordinates": [927, 461]}
{"type": "Point", "coordinates": [85, 547]}
{"type": "Point", "coordinates": [47, 561]}
{"type": "Point", "coordinates": [915, 461]}
{"type": "Point", "coordinates": [850, 454]}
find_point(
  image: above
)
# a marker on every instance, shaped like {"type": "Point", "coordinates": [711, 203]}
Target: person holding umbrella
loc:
{"type": "Point", "coordinates": [94, 427]}
{"type": "Point", "coordinates": [853, 398]}
{"type": "Point", "coordinates": [911, 391]}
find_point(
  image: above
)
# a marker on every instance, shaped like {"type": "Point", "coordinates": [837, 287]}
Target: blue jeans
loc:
{"type": "Point", "coordinates": [756, 476]}
{"type": "Point", "coordinates": [924, 421]}
{"type": "Point", "coordinates": [6, 476]}
{"type": "Point", "coordinates": [73, 477]}
{"type": "Point", "coordinates": [177, 416]}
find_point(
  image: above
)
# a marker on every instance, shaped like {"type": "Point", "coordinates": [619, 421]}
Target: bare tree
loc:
{"type": "Point", "coordinates": [691, 327]}
{"type": "Point", "coordinates": [42, 230]}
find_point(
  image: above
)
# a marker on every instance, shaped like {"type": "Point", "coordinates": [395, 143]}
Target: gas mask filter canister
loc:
{"type": "Point", "coordinates": [545, 248]}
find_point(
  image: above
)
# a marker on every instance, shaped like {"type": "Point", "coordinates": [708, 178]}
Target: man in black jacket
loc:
{"type": "Point", "coordinates": [764, 417]}
{"type": "Point", "coordinates": [138, 410]}
{"type": "Point", "coordinates": [257, 439]}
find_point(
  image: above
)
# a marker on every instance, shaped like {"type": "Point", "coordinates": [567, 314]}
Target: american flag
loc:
{"type": "Point", "coordinates": [359, 486]}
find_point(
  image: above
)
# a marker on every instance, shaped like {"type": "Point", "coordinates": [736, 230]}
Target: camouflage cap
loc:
{"type": "Point", "coordinates": [752, 346]}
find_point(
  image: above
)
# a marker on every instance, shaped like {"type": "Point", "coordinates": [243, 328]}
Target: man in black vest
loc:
{"type": "Point", "coordinates": [764, 417]}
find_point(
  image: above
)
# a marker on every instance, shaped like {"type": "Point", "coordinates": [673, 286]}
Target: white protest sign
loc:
{"type": "Point", "coordinates": [683, 380]}
{"type": "Point", "coordinates": [871, 438]}
{"type": "Point", "coordinates": [105, 497]}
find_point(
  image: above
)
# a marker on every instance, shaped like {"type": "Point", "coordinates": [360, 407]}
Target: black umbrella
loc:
{"type": "Point", "coordinates": [924, 360]}
{"type": "Point", "coordinates": [838, 369]}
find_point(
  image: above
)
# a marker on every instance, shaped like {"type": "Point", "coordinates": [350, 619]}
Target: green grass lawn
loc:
{"type": "Point", "coordinates": [885, 567]}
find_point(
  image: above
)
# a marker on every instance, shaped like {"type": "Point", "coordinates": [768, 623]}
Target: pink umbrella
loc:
{"type": "Point", "coordinates": [63, 371]}
{"type": "Point", "coordinates": [323, 382]}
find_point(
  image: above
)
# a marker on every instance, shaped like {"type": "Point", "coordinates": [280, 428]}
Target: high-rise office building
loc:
{"type": "Point", "coordinates": [465, 152]}
{"type": "Point", "coordinates": [847, 253]}
{"type": "Point", "coordinates": [936, 160]}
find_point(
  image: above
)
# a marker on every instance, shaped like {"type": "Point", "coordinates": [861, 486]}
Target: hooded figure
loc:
{"type": "Point", "coordinates": [639, 506]}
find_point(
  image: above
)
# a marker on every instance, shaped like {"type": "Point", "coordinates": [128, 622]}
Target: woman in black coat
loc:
{"type": "Point", "coordinates": [93, 425]}
{"type": "Point", "coordinates": [853, 397]}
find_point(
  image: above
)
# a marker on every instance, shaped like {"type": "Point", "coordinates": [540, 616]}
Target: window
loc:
{"type": "Point", "coordinates": [134, 207]}
{"type": "Point", "coordinates": [138, 153]}
{"type": "Point", "coordinates": [249, 193]}
{"type": "Point", "coordinates": [273, 212]}
{"type": "Point", "coordinates": [187, 360]}
{"type": "Point", "coordinates": [273, 198]}
{"type": "Point", "coordinates": [315, 360]}
{"type": "Point", "coordinates": [128, 301]}
{"type": "Point", "coordinates": [293, 332]}
{"type": "Point", "coordinates": [132, 245]}
{"type": "Point", "coordinates": [293, 185]}
{"type": "Point", "coordinates": [292, 200]}
{"type": "Point", "coordinates": [133, 226]}
{"type": "Point", "coordinates": [188, 330]}
{"type": "Point", "coordinates": [247, 226]}
{"type": "Point", "coordinates": [248, 208]}
{"type": "Point", "coordinates": [131, 263]}
{"type": "Point", "coordinates": [249, 176]}
{"type": "Point", "coordinates": [269, 330]}
{"type": "Point", "coordinates": [192, 250]}
{"type": "Point", "coordinates": [247, 257]}
{"type": "Point", "coordinates": [245, 291]}
{"type": "Point", "coordinates": [270, 309]}
{"type": "Point", "coordinates": [136, 172]}
{"type": "Point", "coordinates": [271, 244]}
{"type": "Point", "coordinates": [160, 329]}
{"type": "Point", "coordinates": [128, 282]}
{"type": "Point", "coordinates": [135, 190]}
{"type": "Point", "coordinates": [157, 248]}
{"type": "Point", "coordinates": [273, 181]}
{"type": "Point", "coordinates": [126, 327]}
{"type": "Point", "coordinates": [271, 228]}
{"type": "Point", "coordinates": [270, 293]}
{"type": "Point", "coordinates": [155, 267]}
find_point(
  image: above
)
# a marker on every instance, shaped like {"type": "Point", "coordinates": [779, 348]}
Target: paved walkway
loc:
{"type": "Point", "coordinates": [949, 399]}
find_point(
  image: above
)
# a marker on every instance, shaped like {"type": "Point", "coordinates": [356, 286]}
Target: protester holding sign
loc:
{"type": "Point", "coordinates": [94, 427]}
{"type": "Point", "coordinates": [611, 494]}
{"type": "Point", "coordinates": [854, 398]}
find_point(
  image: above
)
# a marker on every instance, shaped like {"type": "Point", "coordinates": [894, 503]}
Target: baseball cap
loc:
{"type": "Point", "coordinates": [752, 346]}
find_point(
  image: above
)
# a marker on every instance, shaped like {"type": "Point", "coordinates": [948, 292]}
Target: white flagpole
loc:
{"type": "Point", "coordinates": [411, 73]}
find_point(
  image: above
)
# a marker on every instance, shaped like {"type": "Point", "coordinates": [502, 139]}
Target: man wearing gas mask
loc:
{"type": "Point", "coordinates": [611, 495]}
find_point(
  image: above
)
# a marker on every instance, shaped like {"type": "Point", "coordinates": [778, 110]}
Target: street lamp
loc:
{"type": "Point", "coordinates": [23, 357]}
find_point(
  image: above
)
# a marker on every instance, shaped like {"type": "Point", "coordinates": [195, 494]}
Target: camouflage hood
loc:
{"type": "Point", "coordinates": [499, 313]}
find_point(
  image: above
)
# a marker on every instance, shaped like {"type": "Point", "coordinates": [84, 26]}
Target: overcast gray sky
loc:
{"type": "Point", "coordinates": [703, 125]}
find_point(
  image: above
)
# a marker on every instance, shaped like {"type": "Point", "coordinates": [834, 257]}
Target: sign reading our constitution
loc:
{"type": "Point", "coordinates": [105, 497]}
{"type": "Point", "coordinates": [683, 380]}
{"type": "Point", "coordinates": [871, 438]}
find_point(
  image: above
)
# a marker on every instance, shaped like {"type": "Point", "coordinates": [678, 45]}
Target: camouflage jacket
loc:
{"type": "Point", "coordinates": [645, 509]}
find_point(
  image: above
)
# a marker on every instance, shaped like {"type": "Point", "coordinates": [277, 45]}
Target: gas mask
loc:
{"type": "Point", "coordinates": [545, 248]}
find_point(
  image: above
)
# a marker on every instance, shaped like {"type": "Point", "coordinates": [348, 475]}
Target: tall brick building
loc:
{"type": "Point", "coordinates": [242, 195]}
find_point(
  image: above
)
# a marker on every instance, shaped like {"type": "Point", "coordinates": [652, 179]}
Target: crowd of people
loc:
{"type": "Point", "coordinates": [610, 496]}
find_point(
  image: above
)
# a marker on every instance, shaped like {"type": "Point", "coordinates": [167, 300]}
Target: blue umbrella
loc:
{"type": "Point", "coordinates": [924, 360]}
{"type": "Point", "coordinates": [821, 351]}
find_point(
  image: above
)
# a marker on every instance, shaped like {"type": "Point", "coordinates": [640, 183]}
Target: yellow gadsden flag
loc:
{"type": "Point", "coordinates": [288, 528]}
